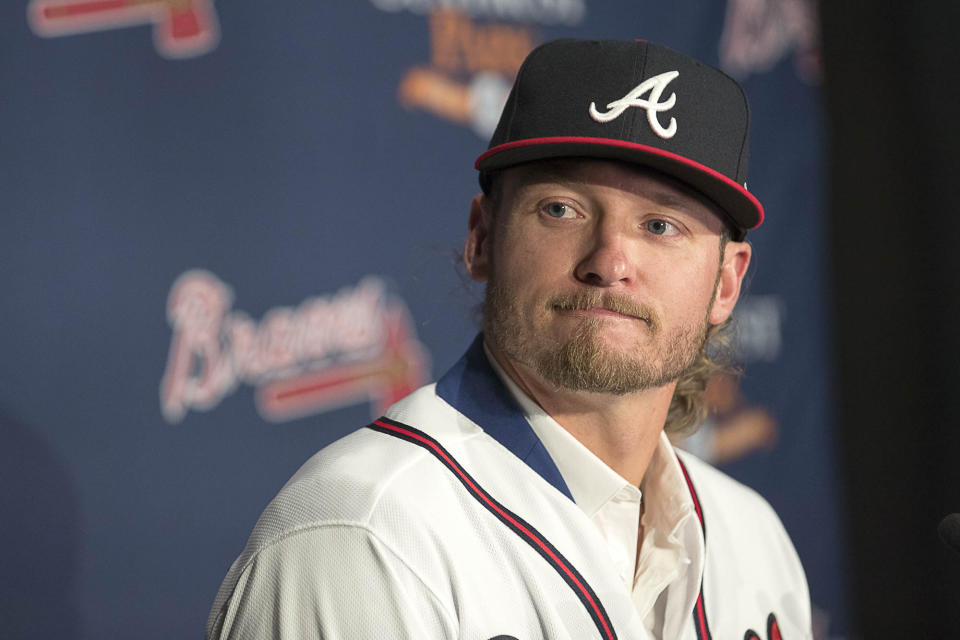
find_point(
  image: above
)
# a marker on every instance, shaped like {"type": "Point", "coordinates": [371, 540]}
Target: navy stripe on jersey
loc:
{"type": "Point", "coordinates": [473, 388]}
{"type": "Point", "coordinates": [518, 525]}
{"type": "Point", "coordinates": [700, 610]}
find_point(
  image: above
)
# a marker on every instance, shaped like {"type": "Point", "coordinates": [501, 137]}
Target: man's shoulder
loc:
{"type": "Point", "coordinates": [749, 554]}
{"type": "Point", "coordinates": [717, 488]}
{"type": "Point", "coordinates": [358, 500]}
{"type": "Point", "coordinates": [350, 481]}
{"type": "Point", "coordinates": [746, 534]}
{"type": "Point", "coordinates": [732, 509]}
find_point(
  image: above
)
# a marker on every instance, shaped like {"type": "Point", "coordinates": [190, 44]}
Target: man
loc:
{"type": "Point", "coordinates": [532, 492]}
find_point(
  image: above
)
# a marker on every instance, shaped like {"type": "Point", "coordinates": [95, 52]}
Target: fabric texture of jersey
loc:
{"type": "Point", "coordinates": [448, 519]}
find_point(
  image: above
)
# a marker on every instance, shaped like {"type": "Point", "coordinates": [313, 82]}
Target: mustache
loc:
{"type": "Point", "coordinates": [617, 303]}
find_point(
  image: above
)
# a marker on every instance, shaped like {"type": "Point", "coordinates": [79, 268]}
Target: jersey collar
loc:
{"type": "Point", "coordinates": [472, 387]}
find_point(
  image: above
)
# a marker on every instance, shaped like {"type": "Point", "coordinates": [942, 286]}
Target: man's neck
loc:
{"type": "Point", "coordinates": [622, 430]}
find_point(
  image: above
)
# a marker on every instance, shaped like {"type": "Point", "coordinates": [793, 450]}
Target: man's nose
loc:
{"type": "Point", "coordinates": [605, 263]}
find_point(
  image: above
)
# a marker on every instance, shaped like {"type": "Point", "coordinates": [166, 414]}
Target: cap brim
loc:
{"type": "Point", "coordinates": [743, 208]}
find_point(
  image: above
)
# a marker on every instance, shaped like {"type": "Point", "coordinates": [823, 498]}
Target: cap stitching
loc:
{"type": "Point", "coordinates": [746, 130]}
{"type": "Point", "coordinates": [637, 77]}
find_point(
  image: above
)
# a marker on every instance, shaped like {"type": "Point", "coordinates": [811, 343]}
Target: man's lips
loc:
{"type": "Point", "coordinates": [600, 312]}
{"type": "Point", "coordinates": [594, 305]}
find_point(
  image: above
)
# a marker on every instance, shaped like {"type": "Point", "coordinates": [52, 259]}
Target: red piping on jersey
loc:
{"type": "Point", "coordinates": [701, 618]}
{"type": "Point", "coordinates": [506, 516]}
{"type": "Point", "coordinates": [699, 612]}
{"type": "Point", "coordinates": [693, 493]}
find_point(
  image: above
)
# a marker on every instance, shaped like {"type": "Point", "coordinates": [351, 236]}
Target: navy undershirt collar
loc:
{"type": "Point", "coordinates": [473, 388]}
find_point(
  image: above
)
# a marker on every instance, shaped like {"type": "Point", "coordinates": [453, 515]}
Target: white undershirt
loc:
{"type": "Point", "coordinates": [667, 569]}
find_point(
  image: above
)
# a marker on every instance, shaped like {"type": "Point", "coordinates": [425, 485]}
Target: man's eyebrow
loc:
{"type": "Point", "coordinates": [668, 200]}
{"type": "Point", "coordinates": [550, 174]}
{"type": "Point", "coordinates": [558, 175]}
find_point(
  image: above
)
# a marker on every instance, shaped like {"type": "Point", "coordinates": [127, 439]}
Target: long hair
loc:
{"type": "Point", "coordinates": [688, 407]}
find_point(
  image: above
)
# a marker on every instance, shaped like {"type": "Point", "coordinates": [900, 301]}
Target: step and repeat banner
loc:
{"type": "Point", "coordinates": [231, 235]}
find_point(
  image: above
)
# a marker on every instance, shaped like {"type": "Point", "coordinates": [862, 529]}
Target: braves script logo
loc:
{"type": "Point", "coordinates": [656, 86]}
{"type": "Point", "coordinates": [330, 351]}
{"type": "Point", "coordinates": [182, 28]}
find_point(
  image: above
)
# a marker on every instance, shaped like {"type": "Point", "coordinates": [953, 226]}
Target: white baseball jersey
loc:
{"type": "Point", "coordinates": [448, 519]}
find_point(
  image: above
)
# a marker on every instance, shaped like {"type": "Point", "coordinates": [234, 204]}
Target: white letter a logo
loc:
{"type": "Point", "coordinates": [656, 86]}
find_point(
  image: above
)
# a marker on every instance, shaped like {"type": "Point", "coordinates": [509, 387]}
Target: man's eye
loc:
{"type": "Point", "coordinates": [661, 228]}
{"type": "Point", "coordinates": [558, 210]}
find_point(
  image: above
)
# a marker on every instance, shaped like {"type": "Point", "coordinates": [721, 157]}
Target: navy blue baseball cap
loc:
{"type": "Point", "coordinates": [636, 102]}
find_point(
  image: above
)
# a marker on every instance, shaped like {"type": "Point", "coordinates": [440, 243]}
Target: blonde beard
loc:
{"type": "Point", "coordinates": [584, 362]}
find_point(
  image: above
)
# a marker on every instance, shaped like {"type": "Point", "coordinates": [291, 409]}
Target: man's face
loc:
{"type": "Point", "coordinates": [601, 276]}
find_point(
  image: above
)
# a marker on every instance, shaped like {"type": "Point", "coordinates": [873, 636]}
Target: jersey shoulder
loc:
{"type": "Point", "coordinates": [354, 506]}
{"type": "Point", "coordinates": [713, 485]}
{"type": "Point", "coordinates": [351, 479]}
{"type": "Point", "coordinates": [734, 511]}
{"type": "Point", "coordinates": [749, 555]}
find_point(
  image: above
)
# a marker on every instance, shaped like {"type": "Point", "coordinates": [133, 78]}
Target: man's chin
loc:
{"type": "Point", "coordinates": [615, 337]}
{"type": "Point", "coordinates": [596, 374]}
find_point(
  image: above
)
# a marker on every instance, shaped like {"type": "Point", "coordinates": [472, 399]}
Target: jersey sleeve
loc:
{"type": "Point", "coordinates": [331, 582]}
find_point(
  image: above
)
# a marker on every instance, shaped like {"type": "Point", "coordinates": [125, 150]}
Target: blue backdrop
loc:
{"type": "Point", "coordinates": [230, 236]}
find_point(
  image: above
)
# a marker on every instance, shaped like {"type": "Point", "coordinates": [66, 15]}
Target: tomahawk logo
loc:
{"type": "Point", "coordinates": [656, 86]}
{"type": "Point", "coordinates": [354, 346]}
{"type": "Point", "coordinates": [181, 28]}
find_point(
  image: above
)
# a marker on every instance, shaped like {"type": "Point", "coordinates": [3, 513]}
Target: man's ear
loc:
{"type": "Point", "coordinates": [736, 259]}
{"type": "Point", "coordinates": [476, 248]}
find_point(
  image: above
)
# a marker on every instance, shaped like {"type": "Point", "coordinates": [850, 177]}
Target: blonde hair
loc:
{"type": "Point", "coordinates": [688, 407]}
